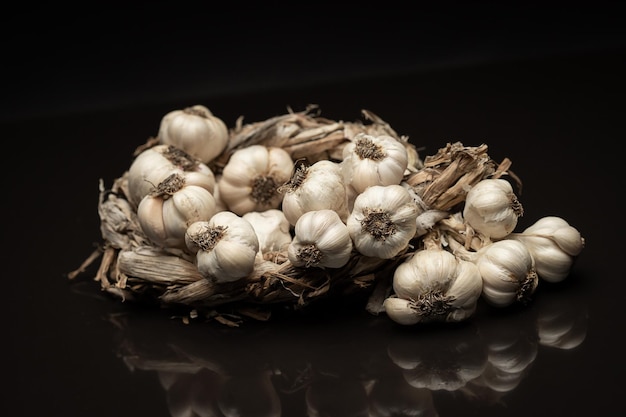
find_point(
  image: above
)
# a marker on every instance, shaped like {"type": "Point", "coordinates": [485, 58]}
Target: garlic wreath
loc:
{"type": "Point", "coordinates": [383, 221]}
{"type": "Point", "coordinates": [492, 208]}
{"type": "Point", "coordinates": [252, 177]}
{"type": "Point", "coordinates": [373, 160]}
{"type": "Point", "coordinates": [226, 246]}
{"type": "Point", "coordinates": [554, 245]}
{"type": "Point", "coordinates": [165, 214]}
{"type": "Point", "coordinates": [433, 285]}
{"type": "Point", "coordinates": [155, 164]}
{"type": "Point", "coordinates": [321, 240]}
{"type": "Point", "coordinates": [316, 187]}
{"type": "Point", "coordinates": [196, 131]}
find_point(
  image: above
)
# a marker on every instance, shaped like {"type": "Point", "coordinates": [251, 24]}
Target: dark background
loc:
{"type": "Point", "coordinates": [543, 86]}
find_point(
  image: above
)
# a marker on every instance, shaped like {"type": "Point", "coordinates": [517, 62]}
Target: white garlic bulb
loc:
{"type": "Point", "coordinates": [554, 244]}
{"type": "Point", "coordinates": [165, 214]}
{"type": "Point", "coordinates": [196, 131]}
{"type": "Point", "coordinates": [383, 221]}
{"type": "Point", "coordinates": [492, 208]}
{"type": "Point", "coordinates": [373, 160]}
{"type": "Point", "coordinates": [252, 177]}
{"type": "Point", "coordinates": [155, 164]}
{"type": "Point", "coordinates": [508, 272]}
{"type": "Point", "coordinates": [272, 228]}
{"type": "Point", "coordinates": [321, 240]}
{"type": "Point", "coordinates": [225, 246]}
{"type": "Point", "coordinates": [436, 286]}
{"type": "Point", "coordinates": [316, 187]}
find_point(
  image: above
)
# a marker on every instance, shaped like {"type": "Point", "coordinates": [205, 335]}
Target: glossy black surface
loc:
{"type": "Point", "coordinates": [71, 350]}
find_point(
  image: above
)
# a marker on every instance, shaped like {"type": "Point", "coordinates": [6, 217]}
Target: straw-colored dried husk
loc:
{"type": "Point", "coordinates": [133, 269]}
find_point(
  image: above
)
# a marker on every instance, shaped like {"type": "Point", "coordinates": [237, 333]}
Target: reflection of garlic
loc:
{"type": "Point", "coordinates": [436, 286]}
{"type": "Point", "coordinates": [321, 240]}
{"type": "Point", "coordinates": [392, 396]}
{"type": "Point", "coordinates": [225, 246]}
{"type": "Point", "coordinates": [165, 214]}
{"type": "Point", "coordinates": [383, 221]}
{"type": "Point", "coordinates": [272, 229]}
{"type": "Point", "coordinates": [155, 164]}
{"type": "Point", "coordinates": [373, 160]}
{"type": "Point", "coordinates": [421, 364]}
{"type": "Point", "coordinates": [562, 322]}
{"type": "Point", "coordinates": [554, 245]}
{"type": "Point", "coordinates": [196, 131]}
{"type": "Point", "coordinates": [491, 208]}
{"type": "Point", "coordinates": [252, 176]}
{"type": "Point", "coordinates": [249, 394]}
{"type": "Point", "coordinates": [192, 392]}
{"type": "Point", "coordinates": [508, 272]}
{"type": "Point", "coordinates": [316, 187]}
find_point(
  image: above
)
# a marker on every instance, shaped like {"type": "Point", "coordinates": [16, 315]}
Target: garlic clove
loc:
{"type": "Point", "coordinates": [191, 204]}
{"type": "Point", "coordinates": [150, 218]}
{"type": "Point", "coordinates": [229, 261]}
{"type": "Point", "coordinates": [401, 311]}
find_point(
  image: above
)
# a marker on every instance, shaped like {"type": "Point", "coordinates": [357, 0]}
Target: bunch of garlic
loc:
{"type": "Point", "coordinates": [508, 265]}
{"type": "Point", "coordinates": [319, 215]}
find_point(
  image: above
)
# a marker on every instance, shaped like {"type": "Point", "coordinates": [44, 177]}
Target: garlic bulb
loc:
{"type": "Point", "coordinates": [373, 160]}
{"type": "Point", "coordinates": [196, 131]}
{"type": "Point", "coordinates": [252, 176]}
{"type": "Point", "coordinates": [321, 240]}
{"type": "Point", "coordinates": [155, 164]}
{"type": "Point", "coordinates": [383, 221]}
{"type": "Point", "coordinates": [492, 209]}
{"type": "Point", "coordinates": [316, 187]}
{"type": "Point", "coordinates": [554, 245]}
{"type": "Point", "coordinates": [435, 286]}
{"type": "Point", "coordinates": [165, 214]}
{"type": "Point", "coordinates": [272, 229]}
{"type": "Point", "coordinates": [508, 272]}
{"type": "Point", "coordinates": [225, 246]}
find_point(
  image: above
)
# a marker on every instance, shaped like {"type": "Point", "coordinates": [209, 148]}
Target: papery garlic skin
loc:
{"type": "Point", "coordinates": [316, 187]}
{"type": "Point", "coordinates": [252, 177]}
{"type": "Point", "coordinates": [373, 160]}
{"type": "Point", "coordinates": [383, 221]}
{"type": "Point", "coordinates": [321, 240]}
{"type": "Point", "coordinates": [155, 164]}
{"type": "Point", "coordinates": [225, 246]}
{"type": "Point", "coordinates": [554, 245]}
{"type": "Point", "coordinates": [492, 208]}
{"type": "Point", "coordinates": [165, 214]}
{"type": "Point", "coordinates": [438, 286]}
{"type": "Point", "coordinates": [196, 131]}
{"type": "Point", "coordinates": [272, 228]}
{"type": "Point", "coordinates": [508, 272]}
